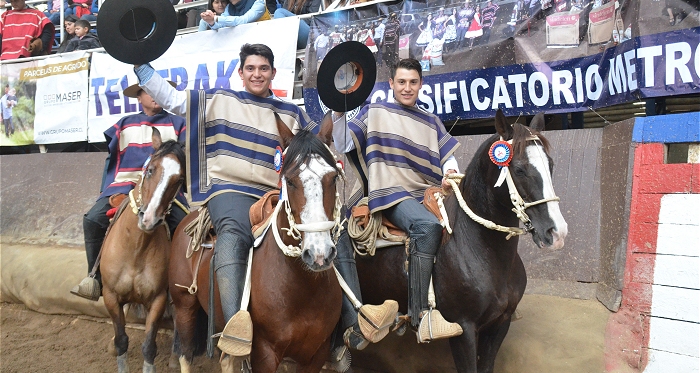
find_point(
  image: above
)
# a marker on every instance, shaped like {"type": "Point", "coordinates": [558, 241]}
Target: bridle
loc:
{"type": "Point", "coordinates": [519, 205]}
{"type": "Point", "coordinates": [136, 203]}
{"type": "Point", "coordinates": [294, 230]}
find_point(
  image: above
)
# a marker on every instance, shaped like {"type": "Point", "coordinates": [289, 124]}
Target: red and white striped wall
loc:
{"type": "Point", "coordinates": [657, 328]}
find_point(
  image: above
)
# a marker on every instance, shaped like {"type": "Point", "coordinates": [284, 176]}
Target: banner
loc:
{"type": "Point", "coordinates": [480, 56]}
{"type": "Point", "coordinates": [201, 60]}
{"type": "Point", "coordinates": [61, 99]}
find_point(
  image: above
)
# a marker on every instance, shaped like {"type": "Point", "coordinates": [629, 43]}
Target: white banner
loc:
{"type": "Point", "coordinates": [61, 98]}
{"type": "Point", "coordinates": [201, 60]}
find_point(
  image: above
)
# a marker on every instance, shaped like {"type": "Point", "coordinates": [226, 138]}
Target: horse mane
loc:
{"type": "Point", "coordinates": [305, 144]}
{"type": "Point", "coordinates": [171, 147]}
{"type": "Point", "coordinates": [520, 134]}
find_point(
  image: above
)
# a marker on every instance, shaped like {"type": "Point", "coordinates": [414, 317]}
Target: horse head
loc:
{"type": "Point", "coordinates": [160, 182]}
{"type": "Point", "coordinates": [308, 187]}
{"type": "Point", "coordinates": [529, 181]}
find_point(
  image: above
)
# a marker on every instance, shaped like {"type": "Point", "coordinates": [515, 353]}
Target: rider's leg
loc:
{"type": "Point", "coordinates": [230, 216]}
{"type": "Point", "coordinates": [95, 223]}
{"type": "Point", "coordinates": [369, 323]}
{"type": "Point", "coordinates": [425, 233]}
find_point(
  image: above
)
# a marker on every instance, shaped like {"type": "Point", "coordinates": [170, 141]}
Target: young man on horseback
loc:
{"type": "Point", "coordinates": [399, 150]}
{"type": "Point", "coordinates": [241, 179]}
{"type": "Point", "coordinates": [129, 147]}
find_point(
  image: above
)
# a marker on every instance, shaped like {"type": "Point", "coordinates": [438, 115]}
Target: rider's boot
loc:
{"type": "Point", "coordinates": [370, 323]}
{"type": "Point", "coordinates": [430, 323]}
{"type": "Point", "coordinates": [91, 287]}
{"type": "Point", "coordinates": [230, 263]}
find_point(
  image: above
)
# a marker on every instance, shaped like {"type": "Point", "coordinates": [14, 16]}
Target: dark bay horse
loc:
{"type": "Point", "coordinates": [295, 301]}
{"type": "Point", "coordinates": [479, 277]}
{"type": "Point", "coordinates": [136, 249]}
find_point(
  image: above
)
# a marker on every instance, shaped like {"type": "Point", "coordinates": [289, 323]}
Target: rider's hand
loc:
{"type": "Point", "coordinates": [445, 185]}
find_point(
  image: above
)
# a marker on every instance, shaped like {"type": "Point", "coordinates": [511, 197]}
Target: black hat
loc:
{"type": "Point", "coordinates": [136, 31]}
{"type": "Point", "coordinates": [346, 77]}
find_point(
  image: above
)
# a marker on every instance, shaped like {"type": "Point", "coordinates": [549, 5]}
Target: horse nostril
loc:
{"type": "Point", "coordinates": [332, 255]}
{"type": "Point", "coordinates": [307, 257]}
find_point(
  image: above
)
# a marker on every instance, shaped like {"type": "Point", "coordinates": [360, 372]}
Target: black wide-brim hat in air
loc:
{"type": "Point", "coordinates": [346, 76]}
{"type": "Point", "coordinates": [136, 31]}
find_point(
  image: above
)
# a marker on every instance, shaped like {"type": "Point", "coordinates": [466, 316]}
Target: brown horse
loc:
{"type": "Point", "coordinates": [136, 249]}
{"type": "Point", "coordinates": [295, 301]}
{"type": "Point", "coordinates": [479, 277]}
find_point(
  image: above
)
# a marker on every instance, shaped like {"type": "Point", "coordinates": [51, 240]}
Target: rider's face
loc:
{"type": "Point", "coordinates": [257, 74]}
{"type": "Point", "coordinates": [406, 84]}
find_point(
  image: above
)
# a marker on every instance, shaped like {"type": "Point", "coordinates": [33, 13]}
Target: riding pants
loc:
{"type": "Point", "coordinates": [425, 232]}
{"type": "Point", "coordinates": [345, 263]}
{"type": "Point", "coordinates": [96, 222]}
{"type": "Point", "coordinates": [230, 216]}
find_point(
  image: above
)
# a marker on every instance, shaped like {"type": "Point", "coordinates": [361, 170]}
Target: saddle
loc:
{"type": "Point", "coordinates": [261, 212]}
{"type": "Point", "coordinates": [388, 234]}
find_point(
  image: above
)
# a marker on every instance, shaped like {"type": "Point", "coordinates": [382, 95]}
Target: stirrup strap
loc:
{"type": "Point", "coordinates": [343, 285]}
{"type": "Point", "coordinates": [245, 300]}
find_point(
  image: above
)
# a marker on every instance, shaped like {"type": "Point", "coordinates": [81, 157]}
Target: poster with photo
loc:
{"type": "Point", "coordinates": [17, 104]}
{"type": "Point", "coordinates": [520, 56]}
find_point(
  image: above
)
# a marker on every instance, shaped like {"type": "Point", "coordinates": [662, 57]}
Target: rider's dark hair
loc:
{"type": "Point", "coordinates": [408, 64]}
{"type": "Point", "coordinates": [261, 50]}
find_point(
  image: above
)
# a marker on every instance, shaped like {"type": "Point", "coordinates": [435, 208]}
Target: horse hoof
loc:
{"type": "Point", "coordinates": [123, 363]}
{"type": "Point", "coordinates": [110, 347]}
{"type": "Point", "coordinates": [148, 368]}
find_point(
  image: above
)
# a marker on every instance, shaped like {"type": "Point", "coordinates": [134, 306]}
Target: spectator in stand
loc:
{"type": "Point", "coordinates": [2, 6]}
{"type": "Point", "coordinates": [83, 39]}
{"type": "Point", "coordinates": [69, 25]}
{"type": "Point", "coordinates": [92, 17]}
{"type": "Point", "coordinates": [292, 8]}
{"type": "Point", "coordinates": [7, 102]}
{"type": "Point", "coordinates": [391, 40]}
{"type": "Point", "coordinates": [237, 12]}
{"type": "Point", "coordinates": [53, 10]}
{"type": "Point", "coordinates": [24, 32]}
{"type": "Point", "coordinates": [488, 18]}
{"type": "Point", "coordinates": [80, 7]}
{"type": "Point", "coordinates": [216, 6]}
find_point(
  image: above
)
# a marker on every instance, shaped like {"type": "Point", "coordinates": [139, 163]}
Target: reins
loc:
{"type": "Point", "coordinates": [519, 205]}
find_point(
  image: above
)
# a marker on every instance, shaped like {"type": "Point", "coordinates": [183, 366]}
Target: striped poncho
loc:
{"type": "Point", "coordinates": [129, 143]}
{"type": "Point", "coordinates": [399, 152]}
{"type": "Point", "coordinates": [232, 140]}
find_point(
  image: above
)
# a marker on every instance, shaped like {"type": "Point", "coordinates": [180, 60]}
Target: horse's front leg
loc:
{"type": "Point", "coordinates": [121, 340]}
{"type": "Point", "coordinates": [489, 343]}
{"type": "Point", "coordinates": [464, 349]}
{"type": "Point", "coordinates": [320, 357]}
{"type": "Point", "coordinates": [263, 357]}
{"type": "Point", "coordinates": [149, 348]}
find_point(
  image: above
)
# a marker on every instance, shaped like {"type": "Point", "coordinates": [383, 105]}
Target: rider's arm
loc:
{"type": "Point", "coordinates": [252, 15]}
{"type": "Point", "coordinates": [162, 92]}
{"type": "Point", "coordinates": [341, 134]}
{"type": "Point", "coordinates": [450, 164]}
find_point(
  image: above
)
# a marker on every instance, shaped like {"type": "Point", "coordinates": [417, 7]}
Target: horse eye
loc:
{"type": "Point", "coordinates": [290, 183]}
{"type": "Point", "coordinates": [519, 171]}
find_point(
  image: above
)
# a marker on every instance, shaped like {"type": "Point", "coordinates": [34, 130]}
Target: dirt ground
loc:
{"type": "Point", "coordinates": [37, 342]}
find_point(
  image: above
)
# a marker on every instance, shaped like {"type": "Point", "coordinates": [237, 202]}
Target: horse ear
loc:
{"type": "Point", "coordinates": [286, 134]}
{"type": "Point", "coordinates": [502, 127]}
{"type": "Point", "coordinates": [537, 122]}
{"type": "Point", "coordinates": [326, 131]}
{"type": "Point", "coordinates": [156, 140]}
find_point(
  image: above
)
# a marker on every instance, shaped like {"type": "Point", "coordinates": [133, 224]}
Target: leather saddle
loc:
{"type": "Point", "coordinates": [361, 215]}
